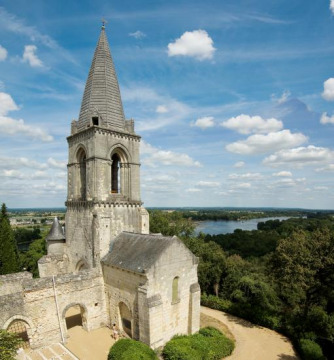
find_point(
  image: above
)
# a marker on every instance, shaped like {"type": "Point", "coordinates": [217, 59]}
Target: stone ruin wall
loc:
{"type": "Point", "coordinates": [33, 301]}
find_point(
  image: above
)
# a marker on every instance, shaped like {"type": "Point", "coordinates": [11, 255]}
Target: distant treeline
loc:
{"type": "Point", "coordinates": [280, 276]}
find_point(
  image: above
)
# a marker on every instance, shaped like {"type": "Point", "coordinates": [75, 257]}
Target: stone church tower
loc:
{"type": "Point", "coordinates": [105, 264]}
{"type": "Point", "coordinates": [103, 170]}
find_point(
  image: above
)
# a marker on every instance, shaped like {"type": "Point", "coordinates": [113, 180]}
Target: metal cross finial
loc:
{"type": "Point", "coordinates": [104, 22]}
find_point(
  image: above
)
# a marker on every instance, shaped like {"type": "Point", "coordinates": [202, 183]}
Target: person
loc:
{"type": "Point", "coordinates": [114, 332]}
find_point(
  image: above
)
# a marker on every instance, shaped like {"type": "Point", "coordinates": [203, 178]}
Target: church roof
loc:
{"type": "Point", "coordinates": [56, 232]}
{"type": "Point", "coordinates": [137, 252]}
{"type": "Point", "coordinates": [102, 96]}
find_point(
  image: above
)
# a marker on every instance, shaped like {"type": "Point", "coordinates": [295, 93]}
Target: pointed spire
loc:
{"type": "Point", "coordinates": [102, 98]}
{"type": "Point", "coordinates": [56, 232]}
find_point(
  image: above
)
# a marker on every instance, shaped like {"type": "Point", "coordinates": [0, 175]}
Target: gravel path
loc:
{"type": "Point", "coordinates": [254, 342]}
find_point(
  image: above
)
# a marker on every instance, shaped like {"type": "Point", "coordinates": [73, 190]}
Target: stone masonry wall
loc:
{"type": "Point", "coordinates": [36, 305]}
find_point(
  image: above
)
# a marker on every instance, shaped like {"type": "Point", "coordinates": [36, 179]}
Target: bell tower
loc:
{"type": "Point", "coordinates": [103, 168]}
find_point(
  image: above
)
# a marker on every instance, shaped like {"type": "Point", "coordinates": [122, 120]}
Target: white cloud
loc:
{"type": "Point", "coordinates": [137, 34]}
{"type": "Point", "coordinates": [328, 168]}
{"type": "Point", "coordinates": [193, 190]}
{"type": "Point", "coordinates": [251, 176]}
{"type": "Point", "coordinates": [245, 124]}
{"type": "Point", "coordinates": [197, 44]}
{"type": "Point", "coordinates": [6, 104]}
{"type": "Point", "coordinates": [283, 174]}
{"type": "Point", "coordinates": [56, 164]}
{"type": "Point", "coordinates": [300, 156]}
{"type": "Point", "coordinates": [161, 109]}
{"type": "Point", "coordinates": [204, 122]}
{"type": "Point", "coordinates": [16, 163]}
{"type": "Point", "coordinates": [259, 144]}
{"type": "Point", "coordinates": [331, 6]}
{"type": "Point", "coordinates": [242, 186]}
{"type": "Point", "coordinates": [328, 93]}
{"type": "Point", "coordinates": [30, 57]}
{"type": "Point", "coordinates": [142, 100]}
{"type": "Point", "coordinates": [12, 173]}
{"type": "Point", "coordinates": [321, 188]}
{"type": "Point", "coordinates": [165, 157]}
{"type": "Point", "coordinates": [285, 95]}
{"type": "Point", "coordinates": [3, 53]}
{"type": "Point", "coordinates": [239, 164]}
{"type": "Point", "coordinates": [11, 126]}
{"type": "Point", "coordinates": [325, 119]}
{"type": "Point", "coordinates": [208, 184]}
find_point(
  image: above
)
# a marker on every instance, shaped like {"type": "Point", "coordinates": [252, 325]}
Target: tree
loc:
{"type": "Point", "coordinates": [9, 343]}
{"type": "Point", "coordinates": [9, 261]}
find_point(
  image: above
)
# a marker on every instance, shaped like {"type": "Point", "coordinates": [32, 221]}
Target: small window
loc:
{"type": "Point", "coordinates": [95, 120]}
{"type": "Point", "coordinates": [175, 290]}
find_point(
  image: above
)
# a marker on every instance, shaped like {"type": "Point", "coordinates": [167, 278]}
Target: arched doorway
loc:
{"type": "Point", "coordinates": [81, 265]}
{"type": "Point", "coordinates": [20, 328]}
{"type": "Point", "coordinates": [126, 318]}
{"type": "Point", "coordinates": [74, 316]}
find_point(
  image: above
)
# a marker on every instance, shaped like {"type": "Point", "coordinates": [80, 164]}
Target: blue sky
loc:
{"type": "Point", "coordinates": [233, 99]}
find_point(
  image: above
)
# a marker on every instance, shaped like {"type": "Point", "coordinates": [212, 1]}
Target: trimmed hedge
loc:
{"type": "Point", "coordinates": [125, 349]}
{"type": "Point", "coordinates": [310, 350]}
{"type": "Point", "coordinates": [208, 344]}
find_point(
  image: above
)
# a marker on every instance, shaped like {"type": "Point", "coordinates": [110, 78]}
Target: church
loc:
{"type": "Point", "coordinates": [104, 261]}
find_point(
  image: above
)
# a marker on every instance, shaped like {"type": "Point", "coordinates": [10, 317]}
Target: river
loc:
{"type": "Point", "coordinates": [226, 227]}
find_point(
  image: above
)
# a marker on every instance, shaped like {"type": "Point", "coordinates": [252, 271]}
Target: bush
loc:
{"type": "Point", "coordinates": [208, 344]}
{"type": "Point", "coordinates": [310, 350]}
{"type": "Point", "coordinates": [9, 343]}
{"type": "Point", "coordinates": [126, 349]}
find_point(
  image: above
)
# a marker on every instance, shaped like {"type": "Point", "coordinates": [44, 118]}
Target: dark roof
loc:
{"type": "Point", "coordinates": [137, 252]}
{"type": "Point", "coordinates": [56, 232]}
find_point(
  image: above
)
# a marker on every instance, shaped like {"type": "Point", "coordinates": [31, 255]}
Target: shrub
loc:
{"type": "Point", "coordinates": [9, 343]}
{"type": "Point", "coordinates": [126, 349]}
{"type": "Point", "coordinates": [310, 350]}
{"type": "Point", "coordinates": [208, 344]}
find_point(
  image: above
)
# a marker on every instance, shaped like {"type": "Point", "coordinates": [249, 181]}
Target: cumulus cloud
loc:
{"type": "Point", "coordinates": [12, 174]}
{"type": "Point", "coordinates": [197, 44]}
{"type": "Point", "coordinates": [161, 109]}
{"type": "Point", "coordinates": [137, 34]}
{"type": "Point", "coordinates": [153, 156]}
{"type": "Point", "coordinates": [250, 176]}
{"type": "Point", "coordinates": [30, 57]}
{"type": "Point", "coordinates": [260, 144]}
{"type": "Point", "coordinates": [239, 164]}
{"type": "Point", "coordinates": [56, 164]}
{"type": "Point", "coordinates": [325, 119]}
{"type": "Point", "coordinates": [10, 126]}
{"type": "Point", "coordinates": [245, 124]}
{"type": "Point", "coordinates": [331, 6]}
{"type": "Point", "coordinates": [328, 93]}
{"type": "Point", "coordinates": [204, 122]}
{"type": "Point", "coordinates": [300, 156]}
{"type": "Point", "coordinates": [283, 174]}
{"type": "Point", "coordinates": [207, 184]}
{"type": "Point", "coordinates": [3, 53]}
{"type": "Point", "coordinates": [284, 97]}
{"type": "Point", "coordinates": [7, 104]}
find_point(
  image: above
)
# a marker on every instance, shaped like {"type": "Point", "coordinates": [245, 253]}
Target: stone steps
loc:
{"type": "Point", "coordinates": [52, 352]}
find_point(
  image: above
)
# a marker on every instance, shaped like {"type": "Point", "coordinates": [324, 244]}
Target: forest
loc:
{"type": "Point", "coordinates": [279, 276]}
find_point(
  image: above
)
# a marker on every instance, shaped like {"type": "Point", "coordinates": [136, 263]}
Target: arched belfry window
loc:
{"type": "Point", "coordinates": [81, 158]}
{"type": "Point", "coordinates": [115, 174]}
{"type": "Point", "coordinates": [175, 290]}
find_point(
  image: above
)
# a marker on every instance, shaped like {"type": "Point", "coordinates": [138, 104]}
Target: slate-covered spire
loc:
{"type": "Point", "coordinates": [101, 103]}
{"type": "Point", "coordinates": [56, 232]}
